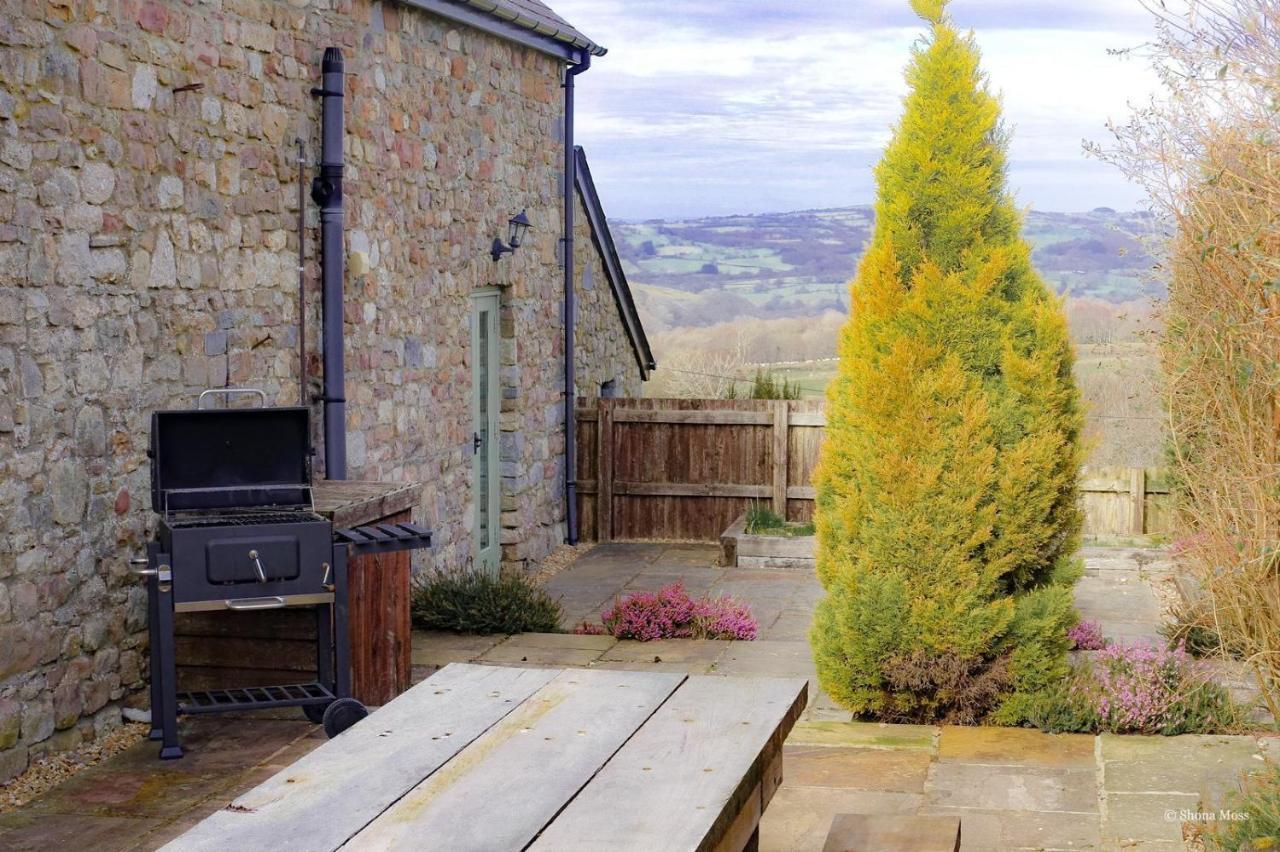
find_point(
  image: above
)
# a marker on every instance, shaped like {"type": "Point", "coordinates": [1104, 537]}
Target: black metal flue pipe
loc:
{"type": "Point", "coordinates": [326, 191]}
{"type": "Point", "coordinates": [570, 307]}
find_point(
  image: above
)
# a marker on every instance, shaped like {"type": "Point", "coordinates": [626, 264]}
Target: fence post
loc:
{"type": "Point", "coordinates": [781, 442]}
{"type": "Point", "coordinates": [1138, 500]}
{"type": "Point", "coordinates": [604, 470]}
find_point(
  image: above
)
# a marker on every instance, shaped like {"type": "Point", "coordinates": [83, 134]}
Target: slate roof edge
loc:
{"type": "Point", "coordinates": [612, 263]}
{"type": "Point", "coordinates": [505, 21]}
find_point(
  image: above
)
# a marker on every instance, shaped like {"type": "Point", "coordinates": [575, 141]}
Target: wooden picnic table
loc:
{"type": "Point", "coordinates": [489, 758]}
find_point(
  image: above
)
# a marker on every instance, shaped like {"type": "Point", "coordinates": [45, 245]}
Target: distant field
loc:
{"type": "Point", "coordinates": [1120, 386]}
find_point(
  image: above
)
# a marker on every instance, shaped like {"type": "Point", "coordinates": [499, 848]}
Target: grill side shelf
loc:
{"type": "Point", "coordinates": [383, 538]}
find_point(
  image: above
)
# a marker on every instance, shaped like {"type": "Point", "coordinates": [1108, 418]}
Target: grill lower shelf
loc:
{"type": "Point", "coordinates": [254, 698]}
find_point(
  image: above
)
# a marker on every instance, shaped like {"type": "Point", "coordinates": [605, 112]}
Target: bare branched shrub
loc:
{"type": "Point", "coordinates": [1209, 154]}
{"type": "Point", "coordinates": [708, 372]}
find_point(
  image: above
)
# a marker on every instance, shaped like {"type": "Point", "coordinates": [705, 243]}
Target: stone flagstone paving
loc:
{"type": "Point", "coordinates": [1013, 789]}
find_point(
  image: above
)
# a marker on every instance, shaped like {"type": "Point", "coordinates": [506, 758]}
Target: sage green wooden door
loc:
{"type": "Point", "coordinates": [485, 406]}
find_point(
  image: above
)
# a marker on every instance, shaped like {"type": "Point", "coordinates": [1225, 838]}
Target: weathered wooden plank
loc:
{"type": "Point", "coordinates": [682, 780]}
{"type": "Point", "coordinates": [710, 417]}
{"type": "Point", "coordinates": [352, 504]}
{"type": "Point", "coordinates": [685, 468]}
{"type": "Point", "coordinates": [690, 489]}
{"type": "Point", "coordinates": [327, 796]}
{"type": "Point", "coordinates": [379, 623]}
{"type": "Point", "coordinates": [604, 472]}
{"type": "Point", "coordinates": [560, 736]}
{"type": "Point", "coordinates": [781, 449]}
{"type": "Point", "coordinates": [1137, 501]}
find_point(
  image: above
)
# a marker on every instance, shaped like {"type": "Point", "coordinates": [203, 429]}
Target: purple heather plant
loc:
{"type": "Point", "coordinates": [1139, 689]}
{"type": "Point", "coordinates": [670, 613]}
{"type": "Point", "coordinates": [1146, 689]}
{"type": "Point", "coordinates": [1087, 636]}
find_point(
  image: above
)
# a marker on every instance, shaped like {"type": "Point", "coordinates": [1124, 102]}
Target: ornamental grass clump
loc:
{"type": "Point", "coordinates": [1206, 152]}
{"type": "Point", "coordinates": [946, 509]}
{"type": "Point", "coordinates": [670, 613]}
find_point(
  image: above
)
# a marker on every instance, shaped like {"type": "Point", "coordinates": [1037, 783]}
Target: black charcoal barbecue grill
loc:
{"type": "Point", "coordinates": [238, 532]}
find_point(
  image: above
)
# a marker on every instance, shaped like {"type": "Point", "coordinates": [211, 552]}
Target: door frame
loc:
{"type": "Point", "coordinates": [486, 538]}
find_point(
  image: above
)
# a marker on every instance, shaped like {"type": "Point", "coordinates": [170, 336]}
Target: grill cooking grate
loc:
{"type": "Point", "coordinates": [243, 519]}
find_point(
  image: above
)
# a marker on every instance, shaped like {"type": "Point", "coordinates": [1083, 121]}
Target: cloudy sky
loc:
{"type": "Point", "coordinates": [741, 106]}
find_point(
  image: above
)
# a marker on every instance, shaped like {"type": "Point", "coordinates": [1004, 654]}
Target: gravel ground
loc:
{"type": "Point", "coordinates": [47, 773]}
{"type": "Point", "coordinates": [559, 559]}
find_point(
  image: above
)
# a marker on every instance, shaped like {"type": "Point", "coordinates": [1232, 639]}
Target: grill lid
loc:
{"type": "Point", "coordinates": [208, 459]}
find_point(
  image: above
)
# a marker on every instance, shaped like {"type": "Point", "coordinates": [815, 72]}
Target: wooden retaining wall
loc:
{"type": "Point", "coordinates": [686, 468]}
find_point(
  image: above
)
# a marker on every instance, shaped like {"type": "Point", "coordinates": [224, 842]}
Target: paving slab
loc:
{"type": "Point", "coordinates": [136, 783]}
{"type": "Point", "coordinates": [642, 666]}
{"type": "Point", "coordinates": [865, 735]}
{"type": "Point", "coordinates": [823, 708]}
{"type": "Point", "coordinates": [1004, 831]}
{"type": "Point", "coordinates": [1012, 788]}
{"type": "Point", "coordinates": [769, 657]}
{"type": "Point", "coordinates": [574, 641]}
{"type": "Point", "coordinates": [684, 651]}
{"type": "Point", "coordinates": [843, 768]}
{"type": "Point", "coordinates": [688, 555]}
{"type": "Point", "coordinates": [1015, 747]}
{"type": "Point", "coordinates": [798, 818]}
{"type": "Point", "coordinates": [511, 653]}
{"type": "Point", "coordinates": [1130, 817]}
{"type": "Point", "coordinates": [653, 581]}
{"type": "Point", "coordinates": [41, 832]}
{"type": "Point", "coordinates": [1207, 767]}
{"type": "Point", "coordinates": [432, 648]}
{"type": "Point", "coordinates": [1122, 604]}
{"type": "Point", "coordinates": [792, 624]}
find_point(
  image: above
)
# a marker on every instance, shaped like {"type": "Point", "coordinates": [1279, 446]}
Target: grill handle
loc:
{"type": "Point", "coordinates": [256, 603]}
{"type": "Point", "coordinates": [257, 566]}
{"type": "Point", "coordinates": [229, 392]}
{"type": "Point", "coordinates": [138, 567]}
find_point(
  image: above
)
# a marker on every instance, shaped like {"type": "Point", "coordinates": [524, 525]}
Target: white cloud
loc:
{"type": "Point", "coordinates": [752, 105]}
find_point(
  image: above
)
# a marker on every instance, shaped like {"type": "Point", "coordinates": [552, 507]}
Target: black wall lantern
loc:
{"type": "Point", "coordinates": [519, 224]}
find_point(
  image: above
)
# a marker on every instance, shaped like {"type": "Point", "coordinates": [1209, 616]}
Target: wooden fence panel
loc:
{"type": "Point", "coordinates": [686, 468]}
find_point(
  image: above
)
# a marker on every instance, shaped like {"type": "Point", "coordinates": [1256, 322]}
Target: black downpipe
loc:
{"type": "Point", "coordinates": [326, 191]}
{"type": "Point", "coordinates": [570, 307]}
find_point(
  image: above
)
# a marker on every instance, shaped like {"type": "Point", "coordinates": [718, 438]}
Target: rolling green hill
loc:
{"type": "Point", "coordinates": [798, 264]}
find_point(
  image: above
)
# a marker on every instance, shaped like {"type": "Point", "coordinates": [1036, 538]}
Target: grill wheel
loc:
{"type": "Point", "coordinates": [342, 714]}
{"type": "Point", "coordinates": [315, 712]}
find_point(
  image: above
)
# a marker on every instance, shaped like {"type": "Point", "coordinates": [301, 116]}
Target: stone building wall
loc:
{"type": "Point", "coordinates": [603, 352]}
{"type": "Point", "coordinates": [148, 250]}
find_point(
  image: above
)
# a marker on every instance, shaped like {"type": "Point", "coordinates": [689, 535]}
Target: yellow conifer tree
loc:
{"type": "Point", "coordinates": [946, 509]}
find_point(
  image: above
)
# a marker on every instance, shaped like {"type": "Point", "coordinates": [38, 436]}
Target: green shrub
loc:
{"type": "Point", "coordinates": [1258, 805]}
{"type": "Point", "coordinates": [766, 386]}
{"type": "Point", "coordinates": [764, 521]}
{"type": "Point", "coordinates": [1064, 708]}
{"type": "Point", "coordinates": [475, 602]}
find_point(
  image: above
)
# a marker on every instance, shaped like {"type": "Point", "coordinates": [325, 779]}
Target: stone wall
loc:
{"type": "Point", "coordinates": [603, 352]}
{"type": "Point", "coordinates": [148, 250]}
